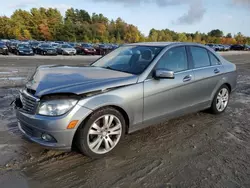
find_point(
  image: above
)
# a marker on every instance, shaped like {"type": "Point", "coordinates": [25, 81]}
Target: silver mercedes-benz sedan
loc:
{"type": "Point", "coordinates": [134, 86]}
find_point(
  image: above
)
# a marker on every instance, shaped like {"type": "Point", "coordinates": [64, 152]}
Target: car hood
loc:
{"type": "Point", "coordinates": [48, 48]}
{"type": "Point", "coordinates": [24, 49]}
{"type": "Point", "coordinates": [89, 48]}
{"type": "Point", "coordinates": [68, 49]}
{"type": "Point", "coordinates": [77, 80]}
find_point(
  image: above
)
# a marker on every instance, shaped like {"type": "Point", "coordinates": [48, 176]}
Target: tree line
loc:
{"type": "Point", "coordinates": [79, 26]}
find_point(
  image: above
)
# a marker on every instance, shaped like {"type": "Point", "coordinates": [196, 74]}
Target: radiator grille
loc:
{"type": "Point", "coordinates": [29, 104]}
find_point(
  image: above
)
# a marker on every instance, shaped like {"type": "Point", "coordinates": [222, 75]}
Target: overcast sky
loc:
{"type": "Point", "coordinates": [179, 15]}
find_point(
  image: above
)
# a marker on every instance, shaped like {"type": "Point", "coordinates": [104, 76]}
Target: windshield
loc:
{"type": "Point", "coordinates": [66, 46]}
{"type": "Point", "coordinates": [86, 45]}
{"type": "Point", "coordinates": [130, 59]}
{"type": "Point", "coordinates": [23, 46]}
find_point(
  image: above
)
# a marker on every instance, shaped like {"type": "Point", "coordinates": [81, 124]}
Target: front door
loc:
{"type": "Point", "coordinates": [165, 97]}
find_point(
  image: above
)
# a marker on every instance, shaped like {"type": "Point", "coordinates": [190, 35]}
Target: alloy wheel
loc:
{"type": "Point", "coordinates": [104, 134]}
{"type": "Point", "coordinates": [222, 99]}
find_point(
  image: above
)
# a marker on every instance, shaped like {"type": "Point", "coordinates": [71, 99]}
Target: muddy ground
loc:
{"type": "Point", "coordinates": [197, 150]}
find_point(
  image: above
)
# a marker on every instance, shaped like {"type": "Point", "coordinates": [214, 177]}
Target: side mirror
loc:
{"type": "Point", "coordinates": [163, 74]}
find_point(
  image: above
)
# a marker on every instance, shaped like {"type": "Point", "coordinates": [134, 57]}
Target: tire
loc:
{"type": "Point", "coordinates": [215, 107]}
{"type": "Point", "coordinates": [84, 138]}
{"type": "Point", "coordinates": [17, 53]}
{"type": "Point", "coordinates": [44, 53]}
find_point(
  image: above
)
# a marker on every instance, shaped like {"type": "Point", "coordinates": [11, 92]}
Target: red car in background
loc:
{"type": "Point", "coordinates": [85, 49]}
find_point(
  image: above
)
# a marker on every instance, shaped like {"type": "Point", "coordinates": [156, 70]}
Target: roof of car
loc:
{"type": "Point", "coordinates": [162, 44]}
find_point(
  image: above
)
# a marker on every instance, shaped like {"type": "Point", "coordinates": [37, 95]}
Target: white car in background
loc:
{"type": "Point", "coordinates": [66, 49]}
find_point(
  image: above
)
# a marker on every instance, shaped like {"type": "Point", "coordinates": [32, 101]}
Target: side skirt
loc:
{"type": "Point", "coordinates": [172, 115]}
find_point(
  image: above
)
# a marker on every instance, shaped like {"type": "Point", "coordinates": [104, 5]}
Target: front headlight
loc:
{"type": "Point", "coordinates": [56, 107]}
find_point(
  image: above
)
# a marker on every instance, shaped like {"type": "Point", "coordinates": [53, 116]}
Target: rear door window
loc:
{"type": "Point", "coordinates": [200, 57]}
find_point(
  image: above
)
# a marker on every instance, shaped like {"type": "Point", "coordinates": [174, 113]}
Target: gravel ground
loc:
{"type": "Point", "coordinates": [197, 150]}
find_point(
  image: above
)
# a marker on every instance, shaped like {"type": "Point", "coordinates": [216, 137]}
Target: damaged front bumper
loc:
{"type": "Point", "coordinates": [50, 132]}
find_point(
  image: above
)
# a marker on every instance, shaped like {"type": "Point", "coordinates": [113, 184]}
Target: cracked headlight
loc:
{"type": "Point", "coordinates": [56, 107]}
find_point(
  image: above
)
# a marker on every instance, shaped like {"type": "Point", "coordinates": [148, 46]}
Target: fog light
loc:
{"type": "Point", "coordinates": [47, 137]}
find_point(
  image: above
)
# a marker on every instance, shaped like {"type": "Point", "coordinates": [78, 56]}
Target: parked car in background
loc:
{"type": "Point", "coordinates": [212, 46]}
{"type": "Point", "coordinates": [114, 46]}
{"type": "Point", "coordinates": [54, 45]}
{"type": "Point", "coordinates": [23, 49]}
{"type": "Point", "coordinates": [130, 88]}
{"type": "Point", "coordinates": [5, 41]}
{"type": "Point", "coordinates": [247, 47]}
{"type": "Point", "coordinates": [34, 45]}
{"type": "Point", "coordinates": [102, 49]}
{"type": "Point", "coordinates": [3, 49]}
{"type": "Point", "coordinates": [46, 49]}
{"type": "Point", "coordinates": [221, 47]}
{"type": "Point", "coordinates": [85, 49]}
{"type": "Point", "coordinates": [12, 46]}
{"type": "Point", "coordinates": [59, 42]}
{"type": "Point", "coordinates": [237, 47]}
{"type": "Point", "coordinates": [226, 47]}
{"type": "Point", "coordinates": [66, 49]}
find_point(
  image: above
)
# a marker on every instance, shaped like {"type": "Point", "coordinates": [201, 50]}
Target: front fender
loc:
{"type": "Point", "coordinates": [128, 98]}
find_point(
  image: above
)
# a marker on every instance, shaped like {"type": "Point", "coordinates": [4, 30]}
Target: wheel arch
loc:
{"type": "Point", "coordinates": [218, 87]}
{"type": "Point", "coordinates": [118, 108]}
{"type": "Point", "coordinates": [229, 86]}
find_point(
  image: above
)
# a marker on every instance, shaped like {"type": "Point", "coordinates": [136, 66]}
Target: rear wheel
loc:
{"type": "Point", "coordinates": [221, 99]}
{"type": "Point", "coordinates": [101, 133]}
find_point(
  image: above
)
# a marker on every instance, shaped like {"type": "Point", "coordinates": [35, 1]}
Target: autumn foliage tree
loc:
{"type": "Point", "coordinates": [79, 25]}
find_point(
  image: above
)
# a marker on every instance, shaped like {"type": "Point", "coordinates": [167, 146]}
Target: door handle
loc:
{"type": "Point", "coordinates": [216, 71]}
{"type": "Point", "coordinates": [187, 78]}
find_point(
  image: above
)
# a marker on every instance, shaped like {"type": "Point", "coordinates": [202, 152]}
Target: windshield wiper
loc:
{"type": "Point", "coordinates": [110, 68]}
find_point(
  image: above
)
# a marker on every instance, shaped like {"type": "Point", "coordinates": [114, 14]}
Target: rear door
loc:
{"type": "Point", "coordinates": [207, 71]}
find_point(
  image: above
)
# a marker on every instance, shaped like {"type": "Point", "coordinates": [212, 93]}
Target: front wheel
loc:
{"type": "Point", "coordinates": [221, 100]}
{"type": "Point", "coordinates": [101, 132]}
